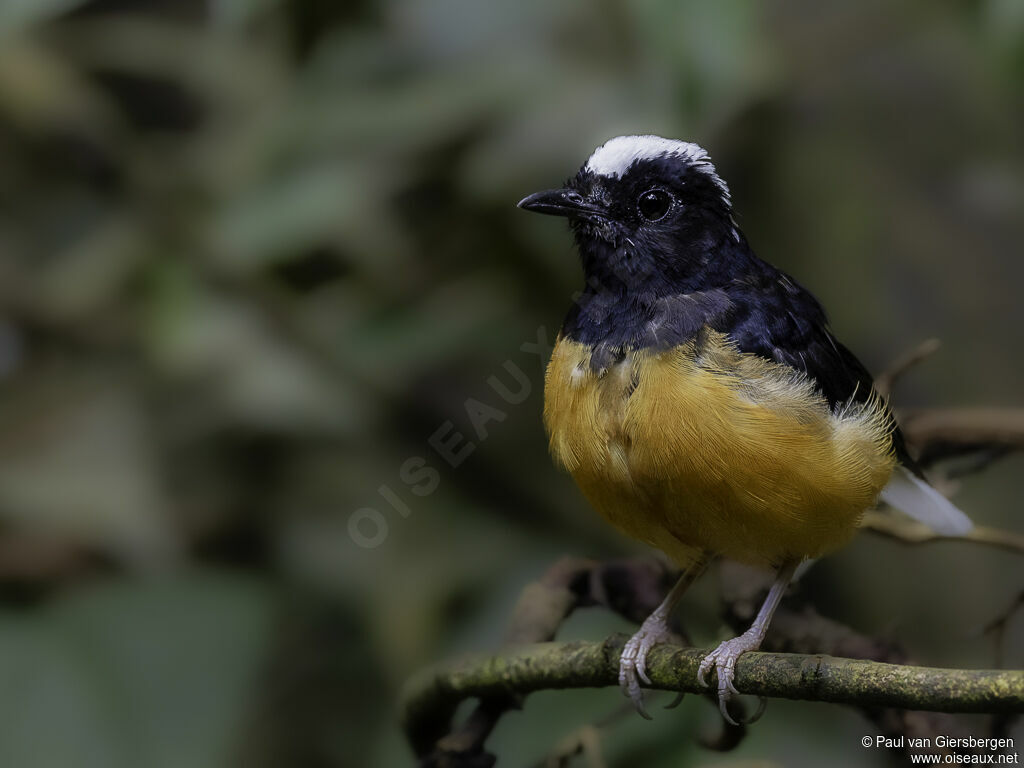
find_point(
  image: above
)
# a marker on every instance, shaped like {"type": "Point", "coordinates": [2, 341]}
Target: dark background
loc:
{"type": "Point", "coordinates": [253, 253]}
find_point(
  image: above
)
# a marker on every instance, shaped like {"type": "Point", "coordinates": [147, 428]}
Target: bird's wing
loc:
{"type": "Point", "coordinates": [779, 320]}
{"type": "Point", "coordinates": [776, 318]}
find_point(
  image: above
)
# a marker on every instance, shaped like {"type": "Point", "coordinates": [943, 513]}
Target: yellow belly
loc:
{"type": "Point", "coordinates": [714, 450]}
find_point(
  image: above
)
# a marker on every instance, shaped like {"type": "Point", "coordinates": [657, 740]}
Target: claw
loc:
{"type": "Point", "coordinates": [637, 697]}
{"type": "Point", "coordinates": [705, 665]}
{"type": "Point", "coordinates": [723, 659]}
{"type": "Point", "coordinates": [676, 701]}
{"type": "Point", "coordinates": [722, 704]}
{"type": "Point", "coordinates": [762, 705]}
{"type": "Point", "coordinates": [631, 689]}
{"type": "Point", "coordinates": [633, 661]}
{"type": "Point", "coordinates": [641, 669]}
{"type": "Point", "coordinates": [729, 683]}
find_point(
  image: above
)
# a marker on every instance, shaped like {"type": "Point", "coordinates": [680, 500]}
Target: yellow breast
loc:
{"type": "Point", "coordinates": [708, 448]}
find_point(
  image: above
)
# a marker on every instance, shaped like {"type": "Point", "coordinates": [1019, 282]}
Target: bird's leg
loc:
{"type": "Point", "coordinates": [633, 662]}
{"type": "Point", "coordinates": [724, 657]}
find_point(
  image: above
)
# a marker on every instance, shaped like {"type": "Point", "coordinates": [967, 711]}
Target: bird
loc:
{"type": "Point", "coordinates": [699, 398]}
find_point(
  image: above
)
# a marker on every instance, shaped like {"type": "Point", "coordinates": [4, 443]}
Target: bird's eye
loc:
{"type": "Point", "coordinates": [654, 204]}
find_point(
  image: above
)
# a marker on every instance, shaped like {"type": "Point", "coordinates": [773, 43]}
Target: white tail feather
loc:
{"type": "Point", "coordinates": [923, 503]}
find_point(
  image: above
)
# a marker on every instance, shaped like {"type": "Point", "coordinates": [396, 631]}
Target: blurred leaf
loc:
{"type": "Point", "coordinates": [152, 673]}
{"type": "Point", "coordinates": [255, 376]}
{"type": "Point", "coordinates": [235, 14]}
{"type": "Point", "coordinates": [88, 275]}
{"type": "Point", "coordinates": [18, 15]}
{"type": "Point", "coordinates": [41, 91]}
{"type": "Point", "coordinates": [76, 458]}
{"type": "Point", "coordinates": [388, 349]}
{"type": "Point", "coordinates": [287, 216]}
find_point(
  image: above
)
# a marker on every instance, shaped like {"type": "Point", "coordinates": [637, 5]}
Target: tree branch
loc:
{"type": "Point", "coordinates": [885, 381]}
{"type": "Point", "coordinates": [913, 532]}
{"type": "Point", "coordinates": [430, 699]}
{"type": "Point", "coordinates": [946, 433]}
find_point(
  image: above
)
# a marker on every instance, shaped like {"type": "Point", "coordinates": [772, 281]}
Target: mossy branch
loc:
{"type": "Point", "coordinates": [430, 699]}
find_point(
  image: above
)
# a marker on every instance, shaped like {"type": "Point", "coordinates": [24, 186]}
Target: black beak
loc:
{"type": "Point", "coordinates": [562, 202]}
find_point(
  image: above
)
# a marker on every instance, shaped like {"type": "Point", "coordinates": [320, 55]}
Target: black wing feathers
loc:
{"type": "Point", "coordinates": [779, 320]}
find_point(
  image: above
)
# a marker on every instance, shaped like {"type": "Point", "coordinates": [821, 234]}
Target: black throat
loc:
{"type": "Point", "coordinates": [657, 293]}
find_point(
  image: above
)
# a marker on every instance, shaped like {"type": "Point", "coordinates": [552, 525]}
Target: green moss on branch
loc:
{"type": "Point", "coordinates": [430, 698]}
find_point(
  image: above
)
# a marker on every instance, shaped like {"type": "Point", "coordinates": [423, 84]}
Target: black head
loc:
{"type": "Point", "coordinates": [647, 212]}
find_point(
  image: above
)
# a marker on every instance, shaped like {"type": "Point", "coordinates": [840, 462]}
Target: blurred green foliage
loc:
{"type": "Point", "coordinates": [254, 253]}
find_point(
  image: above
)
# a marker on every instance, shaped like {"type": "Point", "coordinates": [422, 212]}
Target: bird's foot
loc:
{"type": "Point", "coordinates": [633, 661]}
{"type": "Point", "coordinates": [723, 659]}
